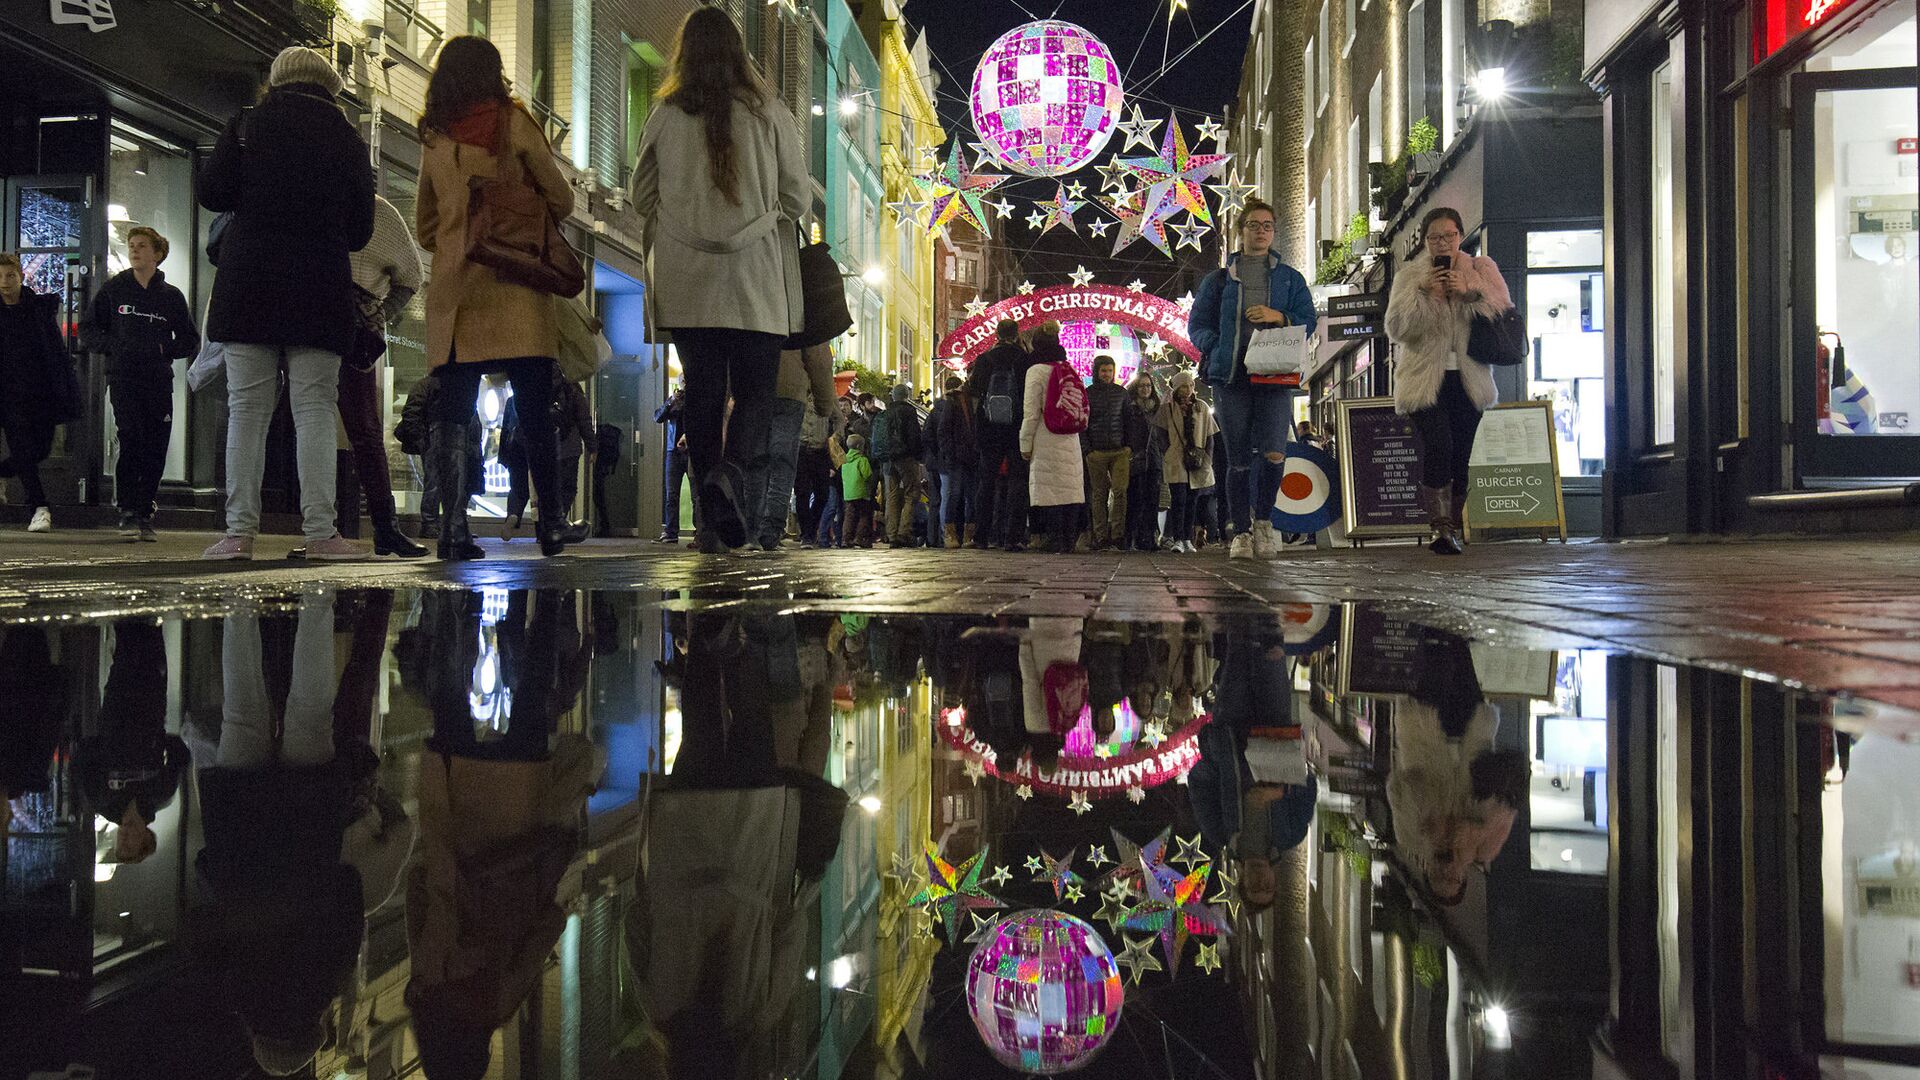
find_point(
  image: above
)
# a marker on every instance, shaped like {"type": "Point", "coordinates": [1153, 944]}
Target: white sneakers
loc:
{"type": "Point", "coordinates": [1266, 542]}
{"type": "Point", "coordinates": [42, 521]}
{"type": "Point", "coordinates": [1241, 547]}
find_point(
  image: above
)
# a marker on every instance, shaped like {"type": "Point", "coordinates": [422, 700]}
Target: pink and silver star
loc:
{"type": "Point", "coordinates": [1057, 872]}
{"type": "Point", "coordinates": [1138, 129]}
{"type": "Point", "coordinates": [1081, 277]}
{"type": "Point", "coordinates": [1137, 958]}
{"type": "Point", "coordinates": [1176, 166]}
{"type": "Point", "coordinates": [1190, 233]}
{"type": "Point", "coordinates": [1209, 958]}
{"type": "Point", "coordinates": [1079, 804]}
{"type": "Point", "coordinates": [975, 306]}
{"type": "Point", "coordinates": [1059, 210]}
{"type": "Point", "coordinates": [1026, 288]}
{"type": "Point", "coordinates": [1173, 910]}
{"type": "Point", "coordinates": [953, 191]}
{"type": "Point", "coordinates": [951, 890]}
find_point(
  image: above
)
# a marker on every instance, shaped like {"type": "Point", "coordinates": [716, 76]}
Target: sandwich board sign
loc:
{"type": "Point", "coordinates": [1513, 478]}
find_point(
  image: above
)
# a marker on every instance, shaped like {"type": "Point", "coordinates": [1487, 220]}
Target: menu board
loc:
{"type": "Point", "coordinates": [1513, 478]}
{"type": "Point", "coordinates": [1379, 471]}
{"type": "Point", "coordinates": [1379, 652]}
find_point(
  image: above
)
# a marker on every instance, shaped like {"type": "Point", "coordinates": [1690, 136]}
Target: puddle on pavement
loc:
{"type": "Point", "coordinates": [556, 834]}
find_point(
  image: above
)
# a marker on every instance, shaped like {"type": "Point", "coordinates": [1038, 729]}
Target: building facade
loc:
{"type": "Point", "coordinates": [1763, 298]}
{"type": "Point", "coordinates": [1355, 118]}
{"type": "Point", "coordinates": [908, 121]}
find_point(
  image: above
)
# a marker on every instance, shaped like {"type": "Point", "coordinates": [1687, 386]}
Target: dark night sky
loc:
{"type": "Point", "coordinates": [1201, 85]}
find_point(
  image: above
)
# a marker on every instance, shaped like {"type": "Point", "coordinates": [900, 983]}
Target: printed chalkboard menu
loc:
{"type": "Point", "coordinates": [1379, 472]}
{"type": "Point", "coordinates": [1379, 652]}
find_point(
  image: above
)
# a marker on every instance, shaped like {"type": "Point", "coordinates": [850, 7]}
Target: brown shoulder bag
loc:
{"type": "Point", "coordinates": [511, 230]}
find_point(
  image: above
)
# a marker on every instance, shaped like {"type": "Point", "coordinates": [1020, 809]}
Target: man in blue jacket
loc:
{"type": "Point", "coordinates": [1254, 291]}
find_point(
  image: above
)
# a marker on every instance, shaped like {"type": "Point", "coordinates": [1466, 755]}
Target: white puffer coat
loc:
{"type": "Point", "coordinates": [1055, 474]}
{"type": "Point", "coordinates": [1428, 330]}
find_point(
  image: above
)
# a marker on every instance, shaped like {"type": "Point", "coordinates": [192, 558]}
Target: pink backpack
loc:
{"type": "Point", "coordinates": [1066, 409]}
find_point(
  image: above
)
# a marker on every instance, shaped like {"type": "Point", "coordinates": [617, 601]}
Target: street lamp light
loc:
{"type": "Point", "coordinates": [874, 275]}
{"type": "Point", "coordinates": [1491, 84]}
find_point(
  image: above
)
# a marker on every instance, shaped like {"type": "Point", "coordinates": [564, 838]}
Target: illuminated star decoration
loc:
{"type": "Point", "coordinates": [1077, 191]}
{"type": "Point", "coordinates": [1002, 209]}
{"type": "Point", "coordinates": [1098, 229]}
{"type": "Point", "coordinates": [1138, 129]}
{"type": "Point", "coordinates": [1189, 853]}
{"type": "Point", "coordinates": [1153, 345]}
{"type": "Point", "coordinates": [1057, 872]}
{"type": "Point", "coordinates": [1113, 910]}
{"type": "Point", "coordinates": [1228, 893]}
{"type": "Point", "coordinates": [1209, 958]}
{"type": "Point", "coordinates": [1081, 277]}
{"type": "Point", "coordinates": [975, 770]}
{"type": "Point", "coordinates": [1138, 957]}
{"type": "Point", "coordinates": [1174, 7]}
{"type": "Point", "coordinates": [1135, 858]}
{"type": "Point", "coordinates": [907, 210]}
{"type": "Point", "coordinates": [1209, 130]}
{"type": "Point", "coordinates": [1173, 910]}
{"type": "Point", "coordinates": [951, 890]}
{"type": "Point", "coordinates": [1059, 210]}
{"type": "Point", "coordinates": [1190, 233]}
{"type": "Point", "coordinates": [984, 157]}
{"type": "Point", "coordinates": [1037, 219]}
{"type": "Point", "coordinates": [953, 191]}
{"type": "Point", "coordinates": [1098, 856]}
{"type": "Point", "coordinates": [1183, 170]}
{"type": "Point", "coordinates": [1136, 794]}
{"type": "Point", "coordinates": [1136, 285]}
{"type": "Point", "coordinates": [1075, 893]}
{"type": "Point", "coordinates": [1079, 804]}
{"type": "Point", "coordinates": [1001, 875]}
{"type": "Point", "coordinates": [1033, 863]}
{"type": "Point", "coordinates": [975, 306]}
{"type": "Point", "coordinates": [1156, 732]}
{"type": "Point", "coordinates": [1024, 791]}
{"type": "Point", "coordinates": [983, 927]}
{"type": "Point", "coordinates": [1113, 175]}
{"type": "Point", "coordinates": [1026, 288]}
{"type": "Point", "coordinates": [1186, 305]}
{"type": "Point", "coordinates": [1233, 194]}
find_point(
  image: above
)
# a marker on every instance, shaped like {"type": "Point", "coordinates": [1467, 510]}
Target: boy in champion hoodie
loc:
{"type": "Point", "coordinates": [142, 325]}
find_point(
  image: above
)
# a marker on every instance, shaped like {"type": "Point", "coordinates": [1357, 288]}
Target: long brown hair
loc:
{"type": "Point", "coordinates": [468, 72]}
{"type": "Point", "coordinates": [709, 72]}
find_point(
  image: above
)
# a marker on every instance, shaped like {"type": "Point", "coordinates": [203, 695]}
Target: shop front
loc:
{"type": "Point", "coordinates": [1761, 361]}
{"type": "Point", "coordinates": [103, 130]}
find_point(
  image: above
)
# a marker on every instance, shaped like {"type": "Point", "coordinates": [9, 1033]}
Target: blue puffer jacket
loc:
{"type": "Point", "coordinates": [1214, 324]}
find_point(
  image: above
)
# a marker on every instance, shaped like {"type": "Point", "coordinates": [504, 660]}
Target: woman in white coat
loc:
{"type": "Point", "coordinates": [721, 186]}
{"type": "Point", "coordinates": [1056, 479]}
{"type": "Point", "coordinates": [1437, 386]}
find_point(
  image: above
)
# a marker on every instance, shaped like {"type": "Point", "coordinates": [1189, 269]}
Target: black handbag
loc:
{"type": "Point", "coordinates": [823, 297]}
{"type": "Point", "coordinates": [1499, 341]}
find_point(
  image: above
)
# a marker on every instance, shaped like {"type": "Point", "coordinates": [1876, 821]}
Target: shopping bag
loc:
{"type": "Point", "coordinates": [1277, 350]}
{"type": "Point", "coordinates": [207, 367]}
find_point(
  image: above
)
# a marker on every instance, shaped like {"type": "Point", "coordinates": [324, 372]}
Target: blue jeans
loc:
{"type": "Point", "coordinates": [956, 498]}
{"type": "Point", "coordinates": [1254, 420]}
{"type": "Point", "coordinates": [770, 490]}
{"type": "Point", "coordinates": [253, 389]}
{"type": "Point", "coordinates": [829, 534]}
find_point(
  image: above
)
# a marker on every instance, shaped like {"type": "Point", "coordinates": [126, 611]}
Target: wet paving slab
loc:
{"type": "Point", "coordinates": [1120, 819]}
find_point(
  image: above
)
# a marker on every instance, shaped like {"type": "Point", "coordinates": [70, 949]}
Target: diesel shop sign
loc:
{"type": "Point", "coordinates": [95, 15]}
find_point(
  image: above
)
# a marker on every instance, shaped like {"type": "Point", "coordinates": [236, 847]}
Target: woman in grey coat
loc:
{"type": "Point", "coordinates": [721, 186]}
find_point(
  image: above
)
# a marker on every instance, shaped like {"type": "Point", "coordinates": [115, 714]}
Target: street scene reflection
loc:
{"type": "Point", "coordinates": [516, 833]}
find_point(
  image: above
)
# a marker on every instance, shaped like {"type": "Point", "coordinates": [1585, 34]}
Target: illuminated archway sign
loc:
{"type": "Point", "coordinates": [1144, 312]}
{"type": "Point", "coordinates": [1099, 767]}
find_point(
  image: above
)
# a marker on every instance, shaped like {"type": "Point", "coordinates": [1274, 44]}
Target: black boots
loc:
{"type": "Point", "coordinates": [389, 540]}
{"type": "Point", "coordinates": [447, 444]}
{"type": "Point", "coordinates": [1445, 536]}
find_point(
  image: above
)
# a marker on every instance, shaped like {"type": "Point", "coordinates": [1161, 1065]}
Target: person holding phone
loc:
{"type": "Point", "coordinates": [1437, 386]}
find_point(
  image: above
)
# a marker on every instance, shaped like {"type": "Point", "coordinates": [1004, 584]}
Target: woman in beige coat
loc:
{"type": "Point", "coordinates": [1189, 424]}
{"type": "Point", "coordinates": [721, 185]}
{"type": "Point", "coordinates": [478, 324]}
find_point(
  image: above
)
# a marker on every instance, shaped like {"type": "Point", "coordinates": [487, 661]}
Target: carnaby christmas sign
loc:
{"type": "Point", "coordinates": [1130, 758]}
{"type": "Point", "coordinates": [1141, 311]}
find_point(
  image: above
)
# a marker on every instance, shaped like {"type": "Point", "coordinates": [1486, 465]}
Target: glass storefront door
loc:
{"type": "Point", "coordinates": [46, 222]}
{"type": "Point", "coordinates": [1857, 357]}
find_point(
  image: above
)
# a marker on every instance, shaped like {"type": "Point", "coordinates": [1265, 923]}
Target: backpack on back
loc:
{"type": "Point", "coordinates": [998, 407]}
{"type": "Point", "coordinates": [1066, 408]}
{"type": "Point", "coordinates": [877, 441]}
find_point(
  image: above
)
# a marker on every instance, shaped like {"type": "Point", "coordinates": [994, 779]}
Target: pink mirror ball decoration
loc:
{"type": "Point", "coordinates": [1046, 97]}
{"type": "Point", "coordinates": [1044, 992]}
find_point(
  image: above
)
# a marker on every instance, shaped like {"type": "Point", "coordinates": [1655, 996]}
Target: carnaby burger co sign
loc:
{"type": "Point", "coordinates": [1139, 311]}
{"type": "Point", "coordinates": [95, 15]}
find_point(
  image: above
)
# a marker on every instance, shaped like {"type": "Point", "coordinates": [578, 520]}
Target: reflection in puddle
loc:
{"type": "Point", "coordinates": [531, 834]}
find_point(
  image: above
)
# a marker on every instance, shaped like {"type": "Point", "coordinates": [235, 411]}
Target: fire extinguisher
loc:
{"type": "Point", "coordinates": [1829, 370]}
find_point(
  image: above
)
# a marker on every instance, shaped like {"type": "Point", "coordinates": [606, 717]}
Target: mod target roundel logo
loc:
{"type": "Point", "coordinates": [1308, 500]}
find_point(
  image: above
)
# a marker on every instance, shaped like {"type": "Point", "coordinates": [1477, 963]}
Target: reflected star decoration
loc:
{"type": "Point", "coordinates": [1189, 853]}
{"type": "Point", "coordinates": [1001, 875]}
{"type": "Point", "coordinates": [1173, 910]}
{"type": "Point", "coordinates": [1033, 863]}
{"type": "Point", "coordinates": [1138, 958]}
{"type": "Point", "coordinates": [1186, 305]}
{"type": "Point", "coordinates": [1136, 794]}
{"type": "Point", "coordinates": [1113, 910]}
{"type": "Point", "coordinates": [1079, 804]}
{"type": "Point", "coordinates": [1136, 285]}
{"type": "Point", "coordinates": [1175, 165]}
{"type": "Point", "coordinates": [1057, 872]}
{"type": "Point", "coordinates": [1024, 791]}
{"type": "Point", "coordinates": [951, 890]}
{"type": "Point", "coordinates": [953, 191]}
{"type": "Point", "coordinates": [1098, 855]}
{"type": "Point", "coordinates": [1209, 958]}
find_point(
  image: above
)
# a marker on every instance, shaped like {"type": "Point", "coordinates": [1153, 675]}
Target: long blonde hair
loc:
{"type": "Point", "coordinates": [710, 71]}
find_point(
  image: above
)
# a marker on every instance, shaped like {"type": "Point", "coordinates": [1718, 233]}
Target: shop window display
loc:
{"type": "Point", "coordinates": [1566, 302]}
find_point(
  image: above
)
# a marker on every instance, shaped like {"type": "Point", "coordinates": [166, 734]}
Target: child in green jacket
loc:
{"type": "Point", "coordinates": [856, 486]}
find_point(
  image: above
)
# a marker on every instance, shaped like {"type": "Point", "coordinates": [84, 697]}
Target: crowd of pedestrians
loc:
{"type": "Point", "coordinates": [312, 266]}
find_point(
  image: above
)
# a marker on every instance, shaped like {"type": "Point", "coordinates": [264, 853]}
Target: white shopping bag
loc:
{"type": "Point", "coordinates": [1278, 350]}
{"type": "Point", "coordinates": [210, 365]}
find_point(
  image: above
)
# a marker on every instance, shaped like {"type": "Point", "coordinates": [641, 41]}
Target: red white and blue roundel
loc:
{"type": "Point", "coordinates": [1309, 498]}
